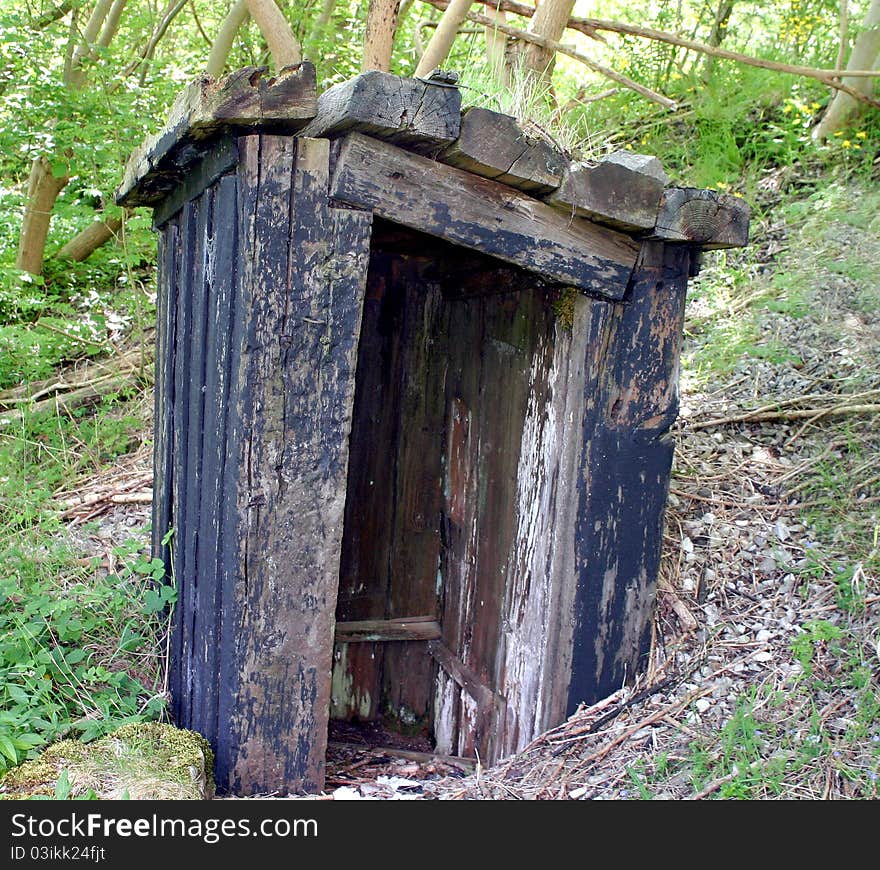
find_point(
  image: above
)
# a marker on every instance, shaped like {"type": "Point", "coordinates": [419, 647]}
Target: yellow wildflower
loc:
{"type": "Point", "coordinates": [861, 135]}
{"type": "Point", "coordinates": [846, 143]}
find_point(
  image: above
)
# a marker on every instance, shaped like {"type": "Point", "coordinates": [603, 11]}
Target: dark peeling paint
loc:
{"type": "Point", "coordinates": [623, 485]}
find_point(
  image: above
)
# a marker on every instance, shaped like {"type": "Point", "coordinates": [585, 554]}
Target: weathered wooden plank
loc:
{"type": "Point", "coordinates": [166, 308]}
{"type": "Point", "coordinates": [247, 98]}
{"type": "Point", "coordinates": [487, 700]}
{"type": "Point", "coordinates": [495, 146]}
{"type": "Point", "coordinates": [295, 394]}
{"type": "Point", "coordinates": [418, 628]}
{"type": "Point", "coordinates": [242, 239]}
{"type": "Point", "coordinates": [194, 381]}
{"type": "Point", "coordinates": [365, 564]}
{"type": "Point", "coordinates": [220, 276]}
{"type": "Point", "coordinates": [201, 174]}
{"type": "Point", "coordinates": [482, 215]}
{"type": "Point", "coordinates": [415, 519]}
{"type": "Point", "coordinates": [179, 489]}
{"type": "Point", "coordinates": [413, 113]}
{"type": "Point", "coordinates": [706, 218]}
{"type": "Point", "coordinates": [534, 659]}
{"type": "Point", "coordinates": [623, 190]}
{"type": "Point", "coordinates": [624, 478]}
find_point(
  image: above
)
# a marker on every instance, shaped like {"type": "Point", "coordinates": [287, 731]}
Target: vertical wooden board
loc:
{"type": "Point", "coordinates": [163, 394]}
{"type": "Point", "coordinates": [415, 549]}
{"type": "Point", "coordinates": [265, 681]}
{"type": "Point", "coordinates": [304, 279]}
{"type": "Point", "coordinates": [220, 274]}
{"type": "Point", "coordinates": [366, 562]}
{"type": "Point", "coordinates": [624, 482]}
{"type": "Point", "coordinates": [188, 587]}
{"type": "Point", "coordinates": [242, 241]}
{"type": "Point", "coordinates": [179, 654]}
{"type": "Point", "coordinates": [516, 324]}
{"type": "Point", "coordinates": [535, 652]}
{"type": "Point", "coordinates": [461, 499]}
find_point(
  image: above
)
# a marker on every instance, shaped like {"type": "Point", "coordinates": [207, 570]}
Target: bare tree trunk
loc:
{"type": "Point", "coordinates": [864, 56]}
{"type": "Point", "coordinates": [283, 45]}
{"type": "Point", "coordinates": [321, 22]}
{"type": "Point", "coordinates": [379, 38]}
{"type": "Point", "coordinates": [444, 35]}
{"type": "Point", "coordinates": [550, 20]}
{"type": "Point", "coordinates": [42, 191]}
{"type": "Point", "coordinates": [86, 242]}
{"type": "Point", "coordinates": [232, 23]}
{"type": "Point", "coordinates": [496, 45]}
{"type": "Point", "coordinates": [90, 35]}
{"type": "Point", "coordinates": [111, 25]}
{"type": "Point", "coordinates": [717, 34]}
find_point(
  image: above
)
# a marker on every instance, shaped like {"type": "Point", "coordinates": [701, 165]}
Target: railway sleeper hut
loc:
{"type": "Point", "coordinates": [414, 383]}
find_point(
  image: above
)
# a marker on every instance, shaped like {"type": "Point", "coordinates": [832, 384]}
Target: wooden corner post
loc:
{"type": "Point", "coordinates": [624, 477]}
{"type": "Point", "coordinates": [299, 312]}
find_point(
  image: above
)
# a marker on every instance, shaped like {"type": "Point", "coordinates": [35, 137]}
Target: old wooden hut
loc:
{"type": "Point", "coordinates": [415, 377]}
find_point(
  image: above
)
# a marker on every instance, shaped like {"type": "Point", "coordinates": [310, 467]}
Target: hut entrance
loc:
{"type": "Point", "coordinates": [449, 340]}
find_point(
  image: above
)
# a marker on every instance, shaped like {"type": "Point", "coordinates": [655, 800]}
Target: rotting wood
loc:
{"type": "Point", "coordinates": [419, 628]}
{"type": "Point", "coordinates": [419, 115]}
{"type": "Point", "coordinates": [245, 99]}
{"type": "Point", "coordinates": [494, 146]}
{"type": "Point", "coordinates": [487, 700]}
{"type": "Point", "coordinates": [301, 296]}
{"type": "Point", "coordinates": [702, 217]}
{"type": "Point", "coordinates": [623, 190]}
{"type": "Point", "coordinates": [204, 170]}
{"type": "Point", "coordinates": [483, 215]}
{"type": "Point", "coordinates": [625, 476]}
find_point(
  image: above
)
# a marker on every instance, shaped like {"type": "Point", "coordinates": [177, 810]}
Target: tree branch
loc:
{"type": "Point", "coordinates": [590, 26]}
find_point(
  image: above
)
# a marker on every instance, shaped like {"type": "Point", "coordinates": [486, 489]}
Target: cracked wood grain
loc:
{"type": "Point", "coordinates": [412, 113]}
{"type": "Point", "coordinates": [494, 146]}
{"type": "Point", "coordinates": [245, 99]}
{"type": "Point", "coordinates": [482, 215]}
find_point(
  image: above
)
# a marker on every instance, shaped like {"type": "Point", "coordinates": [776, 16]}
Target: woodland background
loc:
{"type": "Point", "coordinates": [775, 102]}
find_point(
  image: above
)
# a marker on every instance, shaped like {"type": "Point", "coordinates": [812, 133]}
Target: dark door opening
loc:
{"type": "Point", "coordinates": [452, 347]}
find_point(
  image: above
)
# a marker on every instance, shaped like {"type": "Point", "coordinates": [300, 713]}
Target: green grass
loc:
{"type": "Point", "coordinates": [78, 639]}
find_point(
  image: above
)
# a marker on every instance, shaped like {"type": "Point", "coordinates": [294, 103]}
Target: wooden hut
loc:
{"type": "Point", "coordinates": [415, 377]}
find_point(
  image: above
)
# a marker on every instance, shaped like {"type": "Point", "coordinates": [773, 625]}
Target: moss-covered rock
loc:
{"type": "Point", "coordinates": [142, 761]}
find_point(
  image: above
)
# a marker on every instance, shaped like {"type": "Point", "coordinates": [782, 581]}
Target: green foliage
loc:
{"type": "Point", "coordinates": [70, 642]}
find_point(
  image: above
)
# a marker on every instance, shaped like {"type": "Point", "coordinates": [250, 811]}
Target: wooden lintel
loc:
{"type": "Point", "coordinates": [495, 146]}
{"type": "Point", "coordinates": [622, 191]}
{"type": "Point", "coordinates": [487, 700]}
{"type": "Point", "coordinates": [483, 215]}
{"type": "Point", "coordinates": [416, 114]}
{"type": "Point", "coordinates": [419, 628]}
{"type": "Point", "coordinates": [244, 100]}
{"type": "Point", "coordinates": [706, 218]}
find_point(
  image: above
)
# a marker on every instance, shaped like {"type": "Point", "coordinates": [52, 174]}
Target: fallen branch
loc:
{"type": "Point", "coordinates": [67, 401]}
{"type": "Point", "coordinates": [793, 414]}
{"type": "Point", "coordinates": [611, 715]}
{"type": "Point", "coordinates": [133, 361]}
